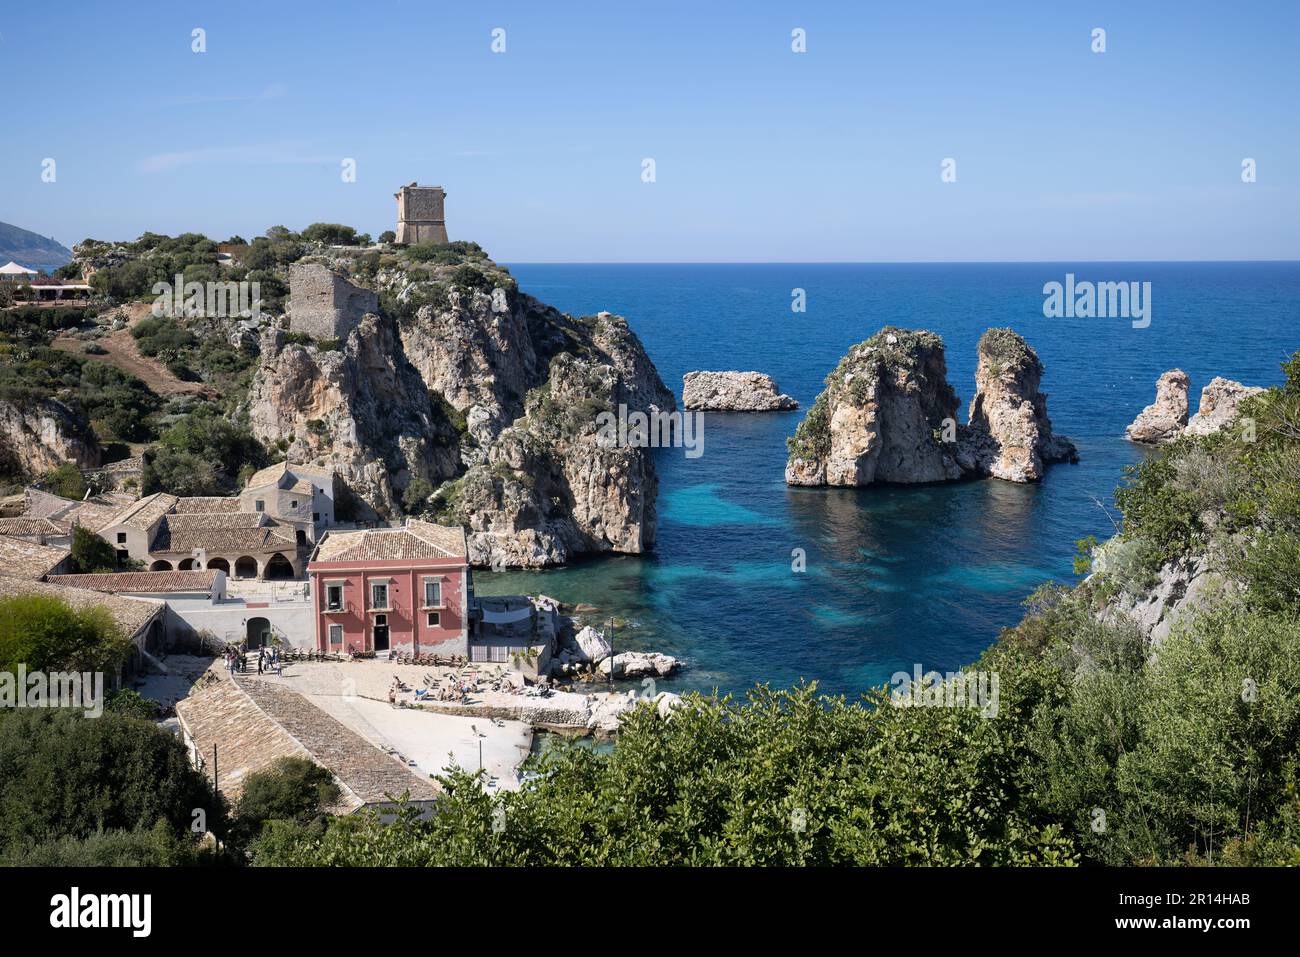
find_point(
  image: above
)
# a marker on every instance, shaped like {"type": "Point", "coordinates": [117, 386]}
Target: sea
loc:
{"type": "Point", "coordinates": [891, 577]}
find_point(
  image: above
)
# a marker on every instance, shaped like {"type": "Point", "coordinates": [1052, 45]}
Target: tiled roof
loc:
{"type": "Point", "coordinates": [206, 504]}
{"type": "Point", "coordinates": [207, 521]}
{"type": "Point", "coordinates": [147, 582]}
{"type": "Point", "coordinates": [23, 527]}
{"type": "Point", "coordinates": [147, 511]}
{"type": "Point", "coordinates": [132, 614]}
{"type": "Point", "coordinates": [91, 515]}
{"type": "Point", "coordinates": [415, 541]}
{"type": "Point", "coordinates": [23, 559]}
{"type": "Point", "coordinates": [174, 540]}
{"type": "Point", "coordinates": [274, 474]}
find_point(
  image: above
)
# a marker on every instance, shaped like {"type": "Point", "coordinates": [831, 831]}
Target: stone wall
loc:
{"type": "Point", "coordinates": [324, 305]}
{"type": "Point", "coordinates": [420, 215]}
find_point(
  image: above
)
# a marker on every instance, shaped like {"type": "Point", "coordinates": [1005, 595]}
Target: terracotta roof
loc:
{"type": "Point", "coordinates": [274, 474]}
{"type": "Point", "coordinates": [147, 511]}
{"type": "Point", "coordinates": [91, 515]}
{"type": "Point", "coordinates": [174, 540]}
{"type": "Point", "coordinates": [23, 559]}
{"type": "Point", "coordinates": [132, 614]}
{"type": "Point", "coordinates": [206, 521]}
{"type": "Point", "coordinates": [206, 504]}
{"type": "Point", "coordinates": [415, 541]}
{"type": "Point", "coordinates": [24, 527]}
{"type": "Point", "coordinates": [148, 582]}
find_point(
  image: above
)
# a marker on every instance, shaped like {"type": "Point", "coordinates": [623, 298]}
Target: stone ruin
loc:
{"type": "Point", "coordinates": [324, 305]}
{"type": "Point", "coordinates": [420, 217]}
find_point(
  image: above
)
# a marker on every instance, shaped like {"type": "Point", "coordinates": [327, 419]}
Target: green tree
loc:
{"type": "Point", "coordinates": [66, 480]}
{"type": "Point", "coordinates": [45, 633]}
{"type": "Point", "coordinates": [90, 553]}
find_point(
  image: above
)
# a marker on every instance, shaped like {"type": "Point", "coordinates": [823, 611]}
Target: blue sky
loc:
{"type": "Point", "coordinates": [761, 154]}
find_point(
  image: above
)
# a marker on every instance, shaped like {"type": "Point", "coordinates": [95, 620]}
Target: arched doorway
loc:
{"type": "Point", "coordinates": [219, 564]}
{"type": "Point", "coordinates": [258, 634]}
{"type": "Point", "coordinates": [185, 565]}
{"type": "Point", "coordinates": [279, 567]}
{"type": "Point", "coordinates": [160, 566]}
{"type": "Point", "coordinates": [246, 567]}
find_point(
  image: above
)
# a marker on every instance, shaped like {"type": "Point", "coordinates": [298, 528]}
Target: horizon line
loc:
{"type": "Point", "coordinates": [878, 262]}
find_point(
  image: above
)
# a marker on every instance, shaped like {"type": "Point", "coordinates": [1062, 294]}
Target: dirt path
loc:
{"type": "Point", "coordinates": [120, 350]}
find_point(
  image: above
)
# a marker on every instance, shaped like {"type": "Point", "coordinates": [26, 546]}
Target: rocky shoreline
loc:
{"type": "Point", "coordinates": [1166, 419]}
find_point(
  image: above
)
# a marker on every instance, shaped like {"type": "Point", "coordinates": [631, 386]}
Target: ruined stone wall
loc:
{"type": "Point", "coordinates": [323, 304]}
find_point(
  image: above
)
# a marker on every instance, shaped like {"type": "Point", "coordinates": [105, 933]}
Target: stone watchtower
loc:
{"type": "Point", "coordinates": [419, 215]}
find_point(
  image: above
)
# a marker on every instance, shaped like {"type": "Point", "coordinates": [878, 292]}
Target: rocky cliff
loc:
{"type": "Point", "coordinates": [360, 408]}
{"type": "Point", "coordinates": [888, 414]}
{"type": "Point", "coordinates": [733, 392]}
{"type": "Point", "coordinates": [1220, 401]}
{"type": "Point", "coordinates": [36, 437]}
{"type": "Point", "coordinates": [491, 399]}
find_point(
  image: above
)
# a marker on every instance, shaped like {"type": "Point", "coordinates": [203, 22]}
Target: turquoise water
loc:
{"type": "Point", "coordinates": [894, 576]}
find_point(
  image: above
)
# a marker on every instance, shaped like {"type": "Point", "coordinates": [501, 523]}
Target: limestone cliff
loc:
{"type": "Point", "coordinates": [1220, 401]}
{"type": "Point", "coordinates": [360, 408]}
{"type": "Point", "coordinates": [38, 436]}
{"type": "Point", "coordinates": [888, 414]}
{"type": "Point", "coordinates": [1008, 434]}
{"type": "Point", "coordinates": [518, 384]}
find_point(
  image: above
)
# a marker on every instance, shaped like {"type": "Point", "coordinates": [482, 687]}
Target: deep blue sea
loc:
{"type": "Point", "coordinates": [896, 576]}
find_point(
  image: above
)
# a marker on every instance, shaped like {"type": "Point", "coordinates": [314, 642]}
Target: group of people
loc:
{"type": "Point", "coordinates": [267, 660]}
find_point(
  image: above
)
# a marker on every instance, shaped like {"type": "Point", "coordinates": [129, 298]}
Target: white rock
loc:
{"type": "Point", "coordinates": [592, 645]}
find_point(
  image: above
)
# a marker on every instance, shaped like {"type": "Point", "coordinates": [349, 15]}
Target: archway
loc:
{"type": "Point", "coordinates": [279, 567]}
{"type": "Point", "coordinates": [246, 567]}
{"type": "Point", "coordinates": [185, 565]}
{"type": "Point", "coordinates": [160, 566]}
{"type": "Point", "coordinates": [258, 633]}
{"type": "Point", "coordinates": [219, 564]}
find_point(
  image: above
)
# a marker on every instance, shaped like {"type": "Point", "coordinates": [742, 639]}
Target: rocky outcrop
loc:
{"type": "Point", "coordinates": [1220, 401]}
{"type": "Point", "coordinates": [888, 414]}
{"type": "Point", "coordinates": [37, 436]}
{"type": "Point", "coordinates": [1008, 434]}
{"type": "Point", "coordinates": [638, 664]}
{"type": "Point", "coordinates": [881, 417]}
{"type": "Point", "coordinates": [1166, 419]}
{"type": "Point", "coordinates": [733, 392]}
{"type": "Point", "coordinates": [1163, 420]}
{"type": "Point", "coordinates": [360, 409]}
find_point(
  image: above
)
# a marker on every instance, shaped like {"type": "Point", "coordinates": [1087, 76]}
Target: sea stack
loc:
{"type": "Point", "coordinates": [1008, 434]}
{"type": "Point", "coordinates": [1163, 420]}
{"type": "Point", "coordinates": [888, 414]}
{"type": "Point", "coordinates": [881, 417]}
{"type": "Point", "coordinates": [733, 392]}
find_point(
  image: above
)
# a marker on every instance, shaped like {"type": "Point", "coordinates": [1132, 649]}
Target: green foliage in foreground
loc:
{"type": "Point", "coordinates": [46, 633]}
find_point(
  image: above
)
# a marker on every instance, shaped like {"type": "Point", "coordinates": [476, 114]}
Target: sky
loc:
{"type": "Point", "coordinates": [760, 153]}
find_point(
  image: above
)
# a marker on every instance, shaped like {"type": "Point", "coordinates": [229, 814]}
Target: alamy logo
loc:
{"type": "Point", "coordinates": [56, 689]}
{"type": "Point", "coordinates": [75, 910]}
{"type": "Point", "coordinates": [956, 689]}
{"type": "Point", "coordinates": [1098, 300]}
{"type": "Point", "coordinates": [226, 300]}
{"type": "Point", "coordinates": [656, 430]}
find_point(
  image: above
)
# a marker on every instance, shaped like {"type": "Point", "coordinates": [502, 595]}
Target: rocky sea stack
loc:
{"type": "Point", "coordinates": [888, 414]}
{"type": "Point", "coordinates": [1166, 419]}
{"type": "Point", "coordinates": [734, 392]}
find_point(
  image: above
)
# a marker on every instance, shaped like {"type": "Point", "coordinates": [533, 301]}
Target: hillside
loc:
{"type": "Point", "coordinates": [31, 249]}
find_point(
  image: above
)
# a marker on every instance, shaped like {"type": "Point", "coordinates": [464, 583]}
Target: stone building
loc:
{"type": "Point", "coordinates": [420, 217]}
{"type": "Point", "coordinates": [324, 305]}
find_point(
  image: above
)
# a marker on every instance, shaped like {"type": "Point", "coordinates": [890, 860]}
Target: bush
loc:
{"type": "Point", "coordinates": [292, 789]}
{"type": "Point", "coordinates": [90, 553]}
{"type": "Point", "coordinates": [330, 234]}
{"type": "Point", "coordinates": [65, 480]}
{"type": "Point", "coordinates": [45, 633]}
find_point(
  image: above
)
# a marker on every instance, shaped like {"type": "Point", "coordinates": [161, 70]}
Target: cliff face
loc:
{"type": "Point", "coordinates": [881, 416]}
{"type": "Point", "coordinates": [1008, 434]}
{"type": "Point", "coordinates": [40, 436]}
{"type": "Point", "coordinates": [360, 408]}
{"type": "Point", "coordinates": [888, 414]}
{"type": "Point", "coordinates": [486, 394]}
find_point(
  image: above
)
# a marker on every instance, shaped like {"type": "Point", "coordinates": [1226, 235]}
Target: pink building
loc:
{"type": "Point", "coordinates": [404, 589]}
